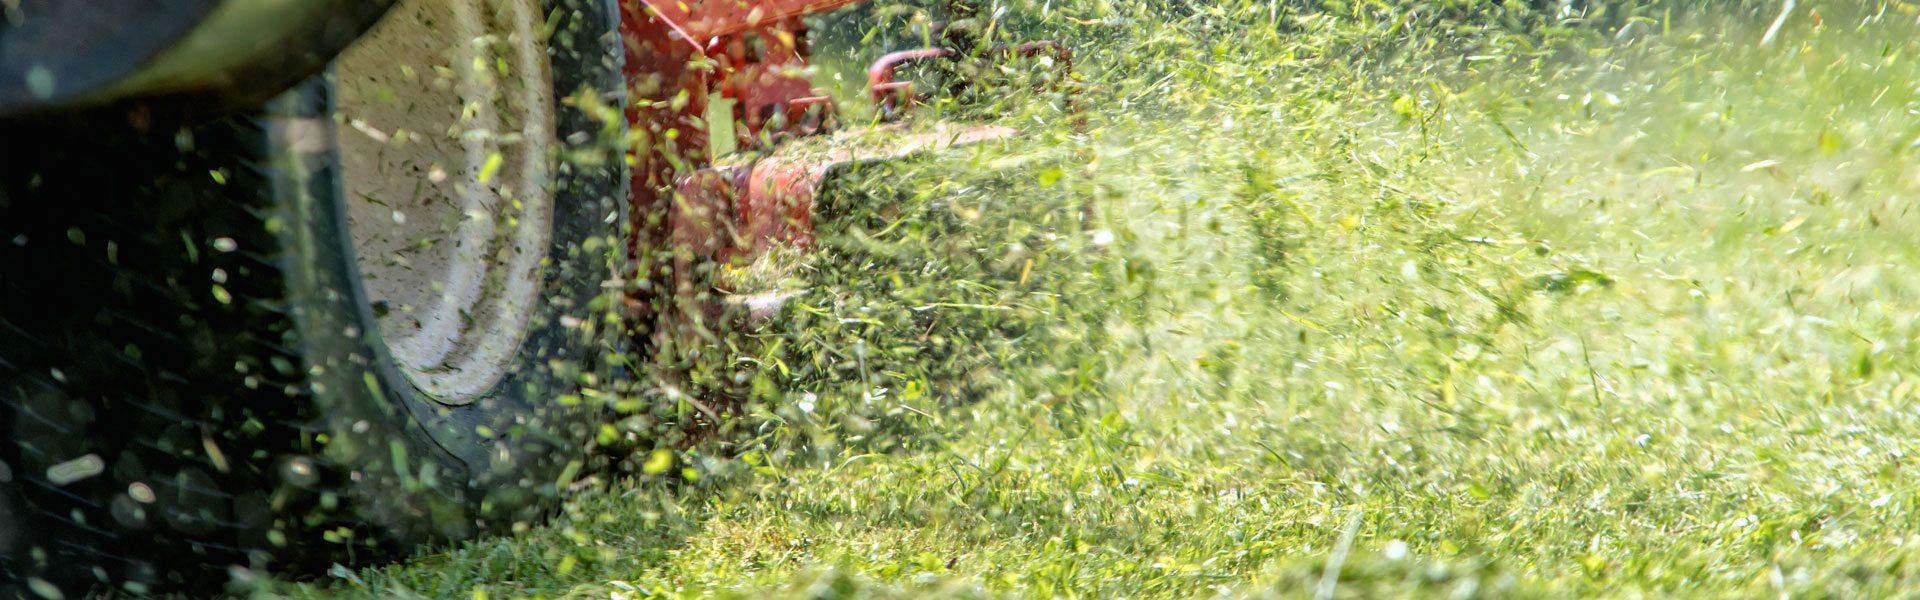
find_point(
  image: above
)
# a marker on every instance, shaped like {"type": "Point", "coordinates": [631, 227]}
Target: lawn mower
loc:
{"type": "Point", "coordinates": [286, 284]}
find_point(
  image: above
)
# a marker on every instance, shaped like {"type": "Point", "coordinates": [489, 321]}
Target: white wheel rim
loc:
{"type": "Point", "coordinates": [448, 114]}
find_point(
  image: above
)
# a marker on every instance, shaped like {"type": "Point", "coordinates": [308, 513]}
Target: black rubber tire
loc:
{"type": "Point", "coordinates": [192, 384]}
{"type": "Point", "coordinates": [82, 51]}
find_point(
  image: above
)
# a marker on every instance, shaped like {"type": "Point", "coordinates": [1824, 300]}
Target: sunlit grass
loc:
{"type": "Point", "coordinates": [1462, 310]}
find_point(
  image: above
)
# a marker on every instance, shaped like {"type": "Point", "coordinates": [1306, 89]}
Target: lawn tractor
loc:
{"type": "Point", "coordinates": [286, 284]}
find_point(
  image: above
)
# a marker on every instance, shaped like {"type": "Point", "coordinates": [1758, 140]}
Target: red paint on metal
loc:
{"type": "Point", "coordinates": [685, 221]}
{"type": "Point", "coordinates": [688, 218]}
{"type": "Point", "coordinates": [889, 94]}
{"type": "Point", "coordinates": [704, 20]}
{"type": "Point", "coordinates": [777, 206]}
{"type": "Point", "coordinates": [680, 52]}
{"type": "Point", "coordinates": [764, 71]}
{"type": "Point", "coordinates": [736, 214]}
{"type": "Point", "coordinates": [666, 104]}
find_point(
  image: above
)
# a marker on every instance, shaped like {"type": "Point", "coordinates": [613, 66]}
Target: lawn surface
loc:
{"type": "Point", "coordinates": [1371, 302]}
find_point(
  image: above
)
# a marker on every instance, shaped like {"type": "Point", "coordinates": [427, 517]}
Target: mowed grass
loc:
{"type": "Point", "coordinates": [1370, 303]}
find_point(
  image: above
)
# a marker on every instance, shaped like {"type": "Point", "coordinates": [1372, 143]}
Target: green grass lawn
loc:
{"type": "Point", "coordinates": [1371, 303]}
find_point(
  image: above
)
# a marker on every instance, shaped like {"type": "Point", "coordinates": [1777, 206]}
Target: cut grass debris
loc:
{"type": "Point", "coordinates": [1374, 301]}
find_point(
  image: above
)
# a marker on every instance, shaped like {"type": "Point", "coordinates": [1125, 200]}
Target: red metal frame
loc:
{"type": "Point", "coordinates": [688, 216]}
{"type": "Point", "coordinates": [705, 20]}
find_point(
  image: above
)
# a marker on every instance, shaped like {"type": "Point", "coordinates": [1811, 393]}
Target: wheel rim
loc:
{"type": "Point", "coordinates": [449, 114]}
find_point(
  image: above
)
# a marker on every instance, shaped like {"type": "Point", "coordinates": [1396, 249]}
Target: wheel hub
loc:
{"type": "Point", "coordinates": [449, 115]}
